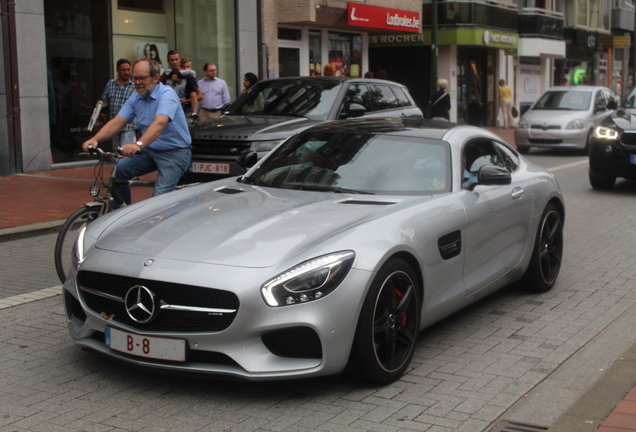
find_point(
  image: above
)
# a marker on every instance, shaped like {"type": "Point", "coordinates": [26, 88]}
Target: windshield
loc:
{"type": "Point", "coordinates": [351, 162]}
{"type": "Point", "coordinates": [293, 97]}
{"type": "Point", "coordinates": [577, 100]}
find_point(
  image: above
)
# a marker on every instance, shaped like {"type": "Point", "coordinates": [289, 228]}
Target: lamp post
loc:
{"type": "Point", "coordinates": [433, 47]}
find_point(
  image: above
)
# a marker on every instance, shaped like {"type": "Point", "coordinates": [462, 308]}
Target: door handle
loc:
{"type": "Point", "coordinates": [517, 193]}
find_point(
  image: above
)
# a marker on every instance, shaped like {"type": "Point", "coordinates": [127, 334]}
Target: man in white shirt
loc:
{"type": "Point", "coordinates": [215, 93]}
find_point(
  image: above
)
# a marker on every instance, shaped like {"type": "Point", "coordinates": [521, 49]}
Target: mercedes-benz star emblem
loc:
{"type": "Point", "coordinates": [140, 304]}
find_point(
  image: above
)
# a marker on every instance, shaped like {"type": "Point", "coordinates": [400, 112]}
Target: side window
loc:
{"type": "Point", "coordinates": [359, 94]}
{"type": "Point", "coordinates": [509, 157]}
{"type": "Point", "coordinates": [383, 98]}
{"type": "Point", "coordinates": [482, 153]}
{"type": "Point", "coordinates": [609, 96]}
{"type": "Point", "coordinates": [402, 99]}
{"type": "Point", "coordinates": [599, 100]}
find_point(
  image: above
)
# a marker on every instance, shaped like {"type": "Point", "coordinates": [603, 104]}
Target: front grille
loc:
{"type": "Point", "coordinates": [544, 141]}
{"type": "Point", "coordinates": [219, 147]}
{"type": "Point", "coordinates": [170, 293]}
{"type": "Point", "coordinates": [296, 342]}
{"type": "Point", "coordinates": [542, 127]}
{"type": "Point", "coordinates": [628, 138]}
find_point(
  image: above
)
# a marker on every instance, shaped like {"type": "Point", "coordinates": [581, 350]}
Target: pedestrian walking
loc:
{"type": "Point", "coordinates": [215, 93]}
{"type": "Point", "coordinates": [116, 93]}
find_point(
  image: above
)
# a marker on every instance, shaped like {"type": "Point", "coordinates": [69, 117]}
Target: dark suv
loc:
{"type": "Point", "coordinates": [273, 110]}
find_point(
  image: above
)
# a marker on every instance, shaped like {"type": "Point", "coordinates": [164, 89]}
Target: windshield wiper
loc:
{"type": "Point", "coordinates": [336, 189]}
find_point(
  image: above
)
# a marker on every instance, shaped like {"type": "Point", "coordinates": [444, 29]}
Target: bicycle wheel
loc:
{"type": "Point", "coordinates": [68, 236]}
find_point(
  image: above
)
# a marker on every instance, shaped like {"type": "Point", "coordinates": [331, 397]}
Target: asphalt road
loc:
{"type": "Point", "coordinates": [469, 370]}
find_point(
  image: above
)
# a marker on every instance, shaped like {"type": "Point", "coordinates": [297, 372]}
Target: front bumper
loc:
{"type": "Point", "coordinates": [245, 348]}
{"type": "Point", "coordinates": [611, 157]}
{"type": "Point", "coordinates": [551, 138]}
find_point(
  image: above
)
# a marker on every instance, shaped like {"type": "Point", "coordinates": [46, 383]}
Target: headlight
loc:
{"type": "Point", "coordinates": [523, 123]}
{"type": "Point", "coordinates": [576, 124]}
{"type": "Point", "coordinates": [79, 247]}
{"type": "Point", "coordinates": [261, 146]}
{"type": "Point", "coordinates": [605, 133]}
{"type": "Point", "coordinates": [309, 280]}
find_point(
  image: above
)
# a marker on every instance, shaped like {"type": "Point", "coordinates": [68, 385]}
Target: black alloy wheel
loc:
{"type": "Point", "coordinates": [548, 252]}
{"type": "Point", "coordinates": [388, 327]}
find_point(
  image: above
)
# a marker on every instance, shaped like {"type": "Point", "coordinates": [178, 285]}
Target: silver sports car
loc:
{"type": "Point", "coordinates": [331, 254]}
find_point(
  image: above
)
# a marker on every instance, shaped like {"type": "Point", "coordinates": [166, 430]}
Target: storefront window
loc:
{"type": "Point", "coordinates": [315, 53]}
{"type": "Point", "coordinates": [72, 71]}
{"type": "Point", "coordinates": [79, 42]}
{"type": "Point", "coordinates": [345, 53]}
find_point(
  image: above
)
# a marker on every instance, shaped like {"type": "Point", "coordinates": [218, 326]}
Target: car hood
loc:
{"type": "Point", "coordinates": [551, 117]}
{"type": "Point", "coordinates": [239, 225]}
{"type": "Point", "coordinates": [623, 119]}
{"type": "Point", "coordinates": [250, 127]}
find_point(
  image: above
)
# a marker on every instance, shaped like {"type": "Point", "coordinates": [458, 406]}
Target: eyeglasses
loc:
{"type": "Point", "coordinates": [139, 78]}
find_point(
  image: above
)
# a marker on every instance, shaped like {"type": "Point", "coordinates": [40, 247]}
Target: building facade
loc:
{"type": "Point", "coordinates": [58, 56]}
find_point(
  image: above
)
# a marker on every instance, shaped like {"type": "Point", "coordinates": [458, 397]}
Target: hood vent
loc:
{"type": "Point", "coordinates": [366, 202]}
{"type": "Point", "coordinates": [229, 191]}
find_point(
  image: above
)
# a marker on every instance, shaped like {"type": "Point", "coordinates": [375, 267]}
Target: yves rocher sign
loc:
{"type": "Point", "coordinates": [363, 15]}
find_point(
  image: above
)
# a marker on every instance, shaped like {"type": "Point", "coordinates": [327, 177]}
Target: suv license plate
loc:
{"type": "Point", "coordinates": [210, 168]}
{"type": "Point", "coordinates": [146, 346]}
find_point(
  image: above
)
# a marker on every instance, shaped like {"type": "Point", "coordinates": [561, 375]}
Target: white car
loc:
{"type": "Point", "coordinates": [564, 117]}
{"type": "Point", "coordinates": [331, 253]}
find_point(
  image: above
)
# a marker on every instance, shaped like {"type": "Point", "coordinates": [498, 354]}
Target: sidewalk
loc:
{"type": "Point", "coordinates": [38, 203]}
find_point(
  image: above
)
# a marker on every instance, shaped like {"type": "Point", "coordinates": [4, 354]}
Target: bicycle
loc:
{"type": "Point", "coordinates": [102, 204]}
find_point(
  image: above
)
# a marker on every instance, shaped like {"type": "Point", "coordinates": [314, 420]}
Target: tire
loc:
{"type": "Point", "coordinates": [588, 144]}
{"type": "Point", "coordinates": [68, 236]}
{"type": "Point", "coordinates": [547, 253]}
{"type": "Point", "coordinates": [602, 181]}
{"type": "Point", "coordinates": [387, 330]}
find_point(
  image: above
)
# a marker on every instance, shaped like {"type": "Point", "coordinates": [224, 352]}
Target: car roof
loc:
{"type": "Point", "coordinates": [577, 87]}
{"type": "Point", "coordinates": [334, 78]}
{"type": "Point", "coordinates": [390, 125]}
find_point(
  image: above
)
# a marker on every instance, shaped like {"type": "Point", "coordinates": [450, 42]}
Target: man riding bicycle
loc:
{"type": "Point", "coordinates": [165, 139]}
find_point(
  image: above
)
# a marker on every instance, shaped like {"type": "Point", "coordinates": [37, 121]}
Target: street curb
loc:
{"type": "Point", "coordinates": [602, 398]}
{"type": "Point", "coordinates": [582, 392]}
{"type": "Point", "coordinates": [26, 231]}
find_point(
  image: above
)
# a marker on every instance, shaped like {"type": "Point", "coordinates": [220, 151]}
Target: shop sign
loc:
{"type": "Point", "coordinates": [461, 37]}
{"type": "Point", "coordinates": [528, 82]}
{"type": "Point", "coordinates": [363, 15]}
{"type": "Point", "coordinates": [615, 42]}
{"type": "Point", "coordinates": [499, 39]}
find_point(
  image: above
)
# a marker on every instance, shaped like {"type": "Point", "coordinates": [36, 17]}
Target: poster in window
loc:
{"type": "Point", "coordinates": [155, 51]}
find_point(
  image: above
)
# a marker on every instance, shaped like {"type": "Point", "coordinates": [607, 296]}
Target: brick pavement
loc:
{"type": "Point", "coordinates": [467, 371]}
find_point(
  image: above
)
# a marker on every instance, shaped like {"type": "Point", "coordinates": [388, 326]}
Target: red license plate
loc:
{"type": "Point", "coordinates": [210, 168]}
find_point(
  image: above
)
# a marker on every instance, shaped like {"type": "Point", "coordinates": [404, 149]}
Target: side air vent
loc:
{"type": "Point", "coordinates": [450, 245]}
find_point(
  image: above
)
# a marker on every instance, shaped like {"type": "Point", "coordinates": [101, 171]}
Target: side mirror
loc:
{"type": "Point", "coordinates": [491, 175]}
{"type": "Point", "coordinates": [612, 105]}
{"type": "Point", "coordinates": [355, 110]}
{"type": "Point", "coordinates": [247, 160]}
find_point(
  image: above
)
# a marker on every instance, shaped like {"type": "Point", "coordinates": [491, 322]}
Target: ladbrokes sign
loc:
{"type": "Point", "coordinates": [363, 15]}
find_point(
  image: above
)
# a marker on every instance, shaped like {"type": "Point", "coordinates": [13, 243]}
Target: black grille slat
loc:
{"type": "Point", "coordinates": [544, 141]}
{"type": "Point", "coordinates": [219, 147]}
{"type": "Point", "coordinates": [171, 293]}
{"type": "Point", "coordinates": [628, 138]}
{"type": "Point", "coordinates": [295, 342]}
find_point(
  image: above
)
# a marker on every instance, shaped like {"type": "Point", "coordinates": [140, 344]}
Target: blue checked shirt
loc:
{"type": "Point", "coordinates": [116, 97]}
{"type": "Point", "coordinates": [162, 100]}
